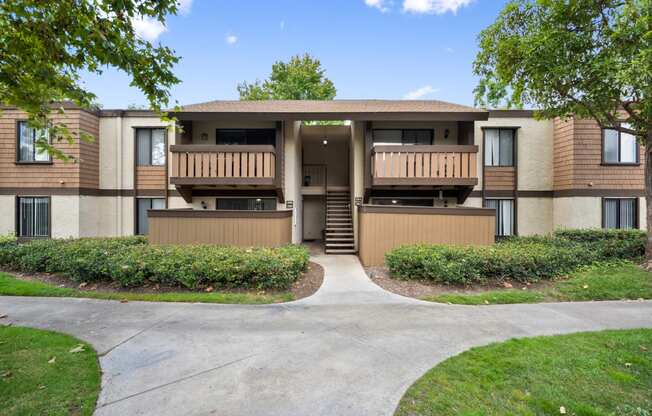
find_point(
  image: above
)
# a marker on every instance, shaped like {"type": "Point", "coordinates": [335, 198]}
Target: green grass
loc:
{"type": "Point", "coordinates": [601, 282]}
{"type": "Point", "coordinates": [589, 374]}
{"type": "Point", "coordinates": [30, 385]}
{"type": "Point", "coordinates": [11, 286]}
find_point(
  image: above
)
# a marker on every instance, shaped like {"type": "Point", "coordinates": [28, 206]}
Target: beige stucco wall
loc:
{"type": "Point", "coordinates": [473, 202]}
{"type": "Point", "coordinates": [293, 175]}
{"type": "Point", "coordinates": [115, 216]}
{"type": "Point", "coordinates": [176, 202]}
{"type": "Point", "coordinates": [64, 211]}
{"type": "Point", "coordinates": [334, 155]}
{"type": "Point", "coordinates": [8, 217]}
{"type": "Point", "coordinates": [535, 216]}
{"type": "Point", "coordinates": [577, 212]}
{"type": "Point", "coordinates": [357, 170]}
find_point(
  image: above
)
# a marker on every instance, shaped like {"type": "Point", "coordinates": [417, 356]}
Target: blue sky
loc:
{"type": "Point", "coordinates": [370, 48]}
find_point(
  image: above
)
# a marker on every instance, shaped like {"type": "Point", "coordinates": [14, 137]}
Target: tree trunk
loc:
{"type": "Point", "coordinates": [648, 199]}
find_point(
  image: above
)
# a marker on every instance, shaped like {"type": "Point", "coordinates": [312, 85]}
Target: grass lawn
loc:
{"type": "Point", "coordinates": [586, 374]}
{"type": "Point", "coordinates": [12, 286]}
{"type": "Point", "coordinates": [602, 282]}
{"type": "Point", "coordinates": [40, 376]}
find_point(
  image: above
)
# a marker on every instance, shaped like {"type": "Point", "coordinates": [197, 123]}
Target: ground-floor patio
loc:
{"type": "Point", "coordinates": [350, 349]}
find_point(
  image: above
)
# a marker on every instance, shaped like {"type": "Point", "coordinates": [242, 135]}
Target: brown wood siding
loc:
{"type": "Point", "coordinates": [381, 232]}
{"type": "Point", "coordinates": [246, 231]}
{"type": "Point", "coordinates": [84, 173]}
{"type": "Point", "coordinates": [500, 178]}
{"type": "Point", "coordinates": [150, 177]}
{"type": "Point", "coordinates": [578, 160]}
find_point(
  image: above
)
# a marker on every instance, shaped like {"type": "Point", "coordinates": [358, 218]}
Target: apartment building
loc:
{"type": "Point", "coordinates": [266, 173]}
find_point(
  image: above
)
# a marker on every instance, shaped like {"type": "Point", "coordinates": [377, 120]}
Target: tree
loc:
{"type": "Point", "coordinates": [46, 45]}
{"type": "Point", "coordinates": [302, 78]}
{"type": "Point", "coordinates": [583, 58]}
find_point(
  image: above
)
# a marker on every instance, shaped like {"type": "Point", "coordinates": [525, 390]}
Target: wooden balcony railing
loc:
{"type": "Point", "coordinates": [425, 165]}
{"type": "Point", "coordinates": [222, 165]}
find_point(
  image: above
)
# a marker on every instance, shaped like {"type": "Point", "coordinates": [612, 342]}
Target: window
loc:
{"type": "Point", "coordinates": [620, 213]}
{"type": "Point", "coordinates": [246, 136]}
{"type": "Point", "coordinates": [384, 137]}
{"type": "Point", "coordinates": [499, 147]}
{"type": "Point", "coordinates": [150, 150]}
{"type": "Point", "coordinates": [246, 204]}
{"type": "Point", "coordinates": [619, 148]}
{"type": "Point", "coordinates": [27, 139]}
{"type": "Point", "coordinates": [144, 204]}
{"type": "Point", "coordinates": [33, 216]}
{"type": "Point", "coordinates": [504, 215]}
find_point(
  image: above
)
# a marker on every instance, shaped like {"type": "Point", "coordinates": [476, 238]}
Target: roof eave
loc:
{"type": "Point", "coordinates": [366, 116]}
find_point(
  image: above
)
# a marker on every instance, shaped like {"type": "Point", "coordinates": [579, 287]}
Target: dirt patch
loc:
{"type": "Point", "coordinates": [422, 288]}
{"type": "Point", "coordinates": [305, 286]}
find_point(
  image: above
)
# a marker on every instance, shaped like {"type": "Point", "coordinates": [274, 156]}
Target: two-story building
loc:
{"type": "Point", "coordinates": [268, 173]}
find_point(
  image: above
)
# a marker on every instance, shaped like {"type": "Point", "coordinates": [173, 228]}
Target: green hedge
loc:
{"type": "Point", "coordinates": [130, 261]}
{"type": "Point", "coordinates": [525, 259]}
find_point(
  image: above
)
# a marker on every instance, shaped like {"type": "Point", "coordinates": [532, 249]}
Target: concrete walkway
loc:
{"type": "Point", "coordinates": [351, 349]}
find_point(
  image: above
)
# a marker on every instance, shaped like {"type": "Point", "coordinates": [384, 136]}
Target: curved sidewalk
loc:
{"type": "Point", "coordinates": [350, 349]}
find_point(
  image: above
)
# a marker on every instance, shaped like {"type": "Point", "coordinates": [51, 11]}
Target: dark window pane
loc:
{"type": "Point", "coordinates": [261, 137]}
{"type": "Point", "coordinates": [143, 146]}
{"type": "Point", "coordinates": [504, 215]}
{"type": "Point", "coordinates": [416, 202]}
{"type": "Point", "coordinates": [246, 204]}
{"type": "Point", "coordinates": [610, 146]}
{"type": "Point", "coordinates": [231, 137]}
{"type": "Point", "coordinates": [506, 147]}
{"type": "Point", "coordinates": [417, 137]}
{"type": "Point", "coordinates": [387, 137]}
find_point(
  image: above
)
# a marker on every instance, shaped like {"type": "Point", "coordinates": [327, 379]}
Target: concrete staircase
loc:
{"type": "Point", "coordinates": [339, 223]}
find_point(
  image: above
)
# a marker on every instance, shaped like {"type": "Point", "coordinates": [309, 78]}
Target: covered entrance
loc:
{"type": "Point", "coordinates": [325, 187]}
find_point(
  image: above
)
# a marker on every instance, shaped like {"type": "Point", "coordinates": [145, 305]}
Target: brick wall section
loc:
{"type": "Point", "coordinates": [498, 178]}
{"type": "Point", "coordinates": [578, 160]}
{"type": "Point", "coordinates": [84, 174]}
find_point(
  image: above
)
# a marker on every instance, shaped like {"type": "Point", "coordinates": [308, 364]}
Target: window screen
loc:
{"type": "Point", "coordinates": [382, 137]}
{"type": "Point", "coordinates": [246, 136]}
{"type": "Point", "coordinates": [499, 147]}
{"type": "Point", "coordinates": [145, 204]}
{"type": "Point", "coordinates": [33, 217]}
{"type": "Point", "coordinates": [27, 139]}
{"type": "Point", "coordinates": [620, 213]}
{"type": "Point", "coordinates": [504, 215]}
{"type": "Point", "coordinates": [150, 147]}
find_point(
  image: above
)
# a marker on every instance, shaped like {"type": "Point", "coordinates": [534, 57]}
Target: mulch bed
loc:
{"type": "Point", "coordinates": [421, 288]}
{"type": "Point", "coordinates": [305, 286]}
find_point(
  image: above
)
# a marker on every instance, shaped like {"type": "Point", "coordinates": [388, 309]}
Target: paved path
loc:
{"type": "Point", "coordinates": [351, 349]}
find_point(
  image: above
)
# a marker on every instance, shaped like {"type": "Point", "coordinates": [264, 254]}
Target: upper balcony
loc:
{"type": "Point", "coordinates": [223, 165]}
{"type": "Point", "coordinates": [424, 165]}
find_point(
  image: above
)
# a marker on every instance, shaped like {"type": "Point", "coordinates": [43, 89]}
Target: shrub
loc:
{"type": "Point", "coordinates": [525, 259]}
{"type": "Point", "coordinates": [131, 262]}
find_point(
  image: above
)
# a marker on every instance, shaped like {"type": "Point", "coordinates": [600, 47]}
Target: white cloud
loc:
{"type": "Point", "coordinates": [231, 39]}
{"type": "Point", "coordinates": [282, 24]}
{"type": "Point", "coordinates": [148, 28]}
{"type": "Point", "coordinates": [378, 4]}
{"type": "Point", "coordinates": [184, 6]}
{"type": "Point", "coordinates": [434, 6]}
{"type": "Point", "coordinates": [420, 92]}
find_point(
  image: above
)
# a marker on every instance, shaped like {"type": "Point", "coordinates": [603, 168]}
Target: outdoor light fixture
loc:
{"type": "Point", "coordinates": [446, 133]}
{"type": "Point", "coordinates": [394, 201]}
{"type": "Point", "coordinates": [204, 136]}
{"type": "Point", "coordinates": [204, 205]}
{"type": "Point", "coordinates": [325, 142]}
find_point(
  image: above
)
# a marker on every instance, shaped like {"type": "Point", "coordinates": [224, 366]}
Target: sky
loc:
{"type": "Point", "coordinates": [390, 49]}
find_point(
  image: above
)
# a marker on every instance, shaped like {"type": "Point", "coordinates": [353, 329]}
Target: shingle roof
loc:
{"type": "Point", "coordinates": [336, 106]}
{"type": "Point", "coordinates": [348, 108]}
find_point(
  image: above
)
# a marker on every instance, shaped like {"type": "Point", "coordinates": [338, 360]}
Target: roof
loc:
{"type": "Point", "coordinates": [335, 110]}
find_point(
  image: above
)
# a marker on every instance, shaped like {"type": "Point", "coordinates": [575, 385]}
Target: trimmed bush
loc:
{"type": "Point", "coordinates": [525, 259]}
{"type": "Point", "coordinates": [131, 261]}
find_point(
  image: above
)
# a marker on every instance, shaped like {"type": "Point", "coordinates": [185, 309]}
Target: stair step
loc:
{"type": "Point", "coordinates": [335, 234]}
{"type": "Point", "coordinates": [339, 229]}
{"type": "Point", "coordinates": [336, 246]}
{"type": "Point", "coordinates": [340, 251]}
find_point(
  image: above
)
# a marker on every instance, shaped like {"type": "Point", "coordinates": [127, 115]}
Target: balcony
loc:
{"type": "Point", "coordinates": [444, 165]}
{"type": "Point", "coordinates": [222, 166]}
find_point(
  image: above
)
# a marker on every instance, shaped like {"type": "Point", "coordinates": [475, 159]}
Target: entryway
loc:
{"type": "Point", "coordinates": [326, 214]}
